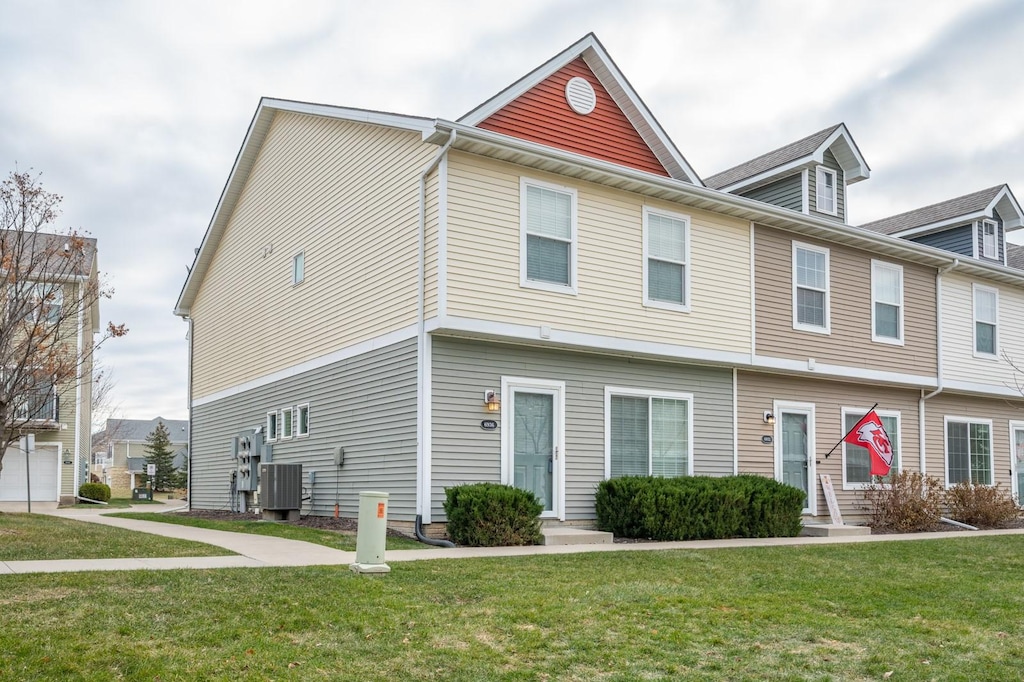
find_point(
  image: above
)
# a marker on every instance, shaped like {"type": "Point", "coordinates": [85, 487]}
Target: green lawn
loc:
{"type": "Point", "coordinates": [38, 536]}
{"type": "Point", "coordinates": [332, 539]}
{"type": "Point", "coordinates": [115, 502]}
{"type": "Point", "coordinates": [924, 610]}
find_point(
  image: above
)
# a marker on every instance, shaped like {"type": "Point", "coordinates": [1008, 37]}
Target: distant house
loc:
{"type": "Point", "coordinates": [119, 457]}
{"type": "Point", "coordinates": [57, 415]}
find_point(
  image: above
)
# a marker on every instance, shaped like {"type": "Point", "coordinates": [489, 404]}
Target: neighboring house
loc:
{"type": "Point", "coordinates": [544, 293]}
{"type": "Point", "coordinates": [60, 461]}
{"type": "Point", "coordinates": [123, 461]}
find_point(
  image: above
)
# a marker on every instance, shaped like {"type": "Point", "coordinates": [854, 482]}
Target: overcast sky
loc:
{"type": "Point", "coordinates": [134, 111]}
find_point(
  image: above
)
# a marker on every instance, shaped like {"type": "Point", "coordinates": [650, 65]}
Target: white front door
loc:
{"type": "Point", "coordinates": [1017, 459]}
{"type": "Point", "coordinates": [44, 469]}
{"type": "Point", "coordinates": [533, 443]}
{"type": "Point", "coordinates": [794, 449]}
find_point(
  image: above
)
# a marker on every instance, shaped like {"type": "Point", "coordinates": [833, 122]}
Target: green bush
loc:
{"type": "Point", "coordinates": [910, 502]}
{"type": "Point", "coordinates": [492, 515]}
{"type": "Point", "coordinates": [981, 505]}
{"type": "Point", "coordinates": [95, 491]}
{"type": "Point", "coordinates": [698, 507]}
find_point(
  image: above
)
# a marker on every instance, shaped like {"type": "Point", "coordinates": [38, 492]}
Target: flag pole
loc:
{"type": "Point", "coordinates": [850, 431]}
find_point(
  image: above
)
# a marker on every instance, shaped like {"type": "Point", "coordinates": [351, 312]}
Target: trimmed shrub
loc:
{"type": "Point", "coordinates": [909, 503]}
{"type": "Point", "coordinates": [492, 515]}
{"type": "Point", "coordinates": [95, 491]}
{"type": "Point", "coordinates": [981, 505]}
{"type": "Point", "coordinates": [698, 507]}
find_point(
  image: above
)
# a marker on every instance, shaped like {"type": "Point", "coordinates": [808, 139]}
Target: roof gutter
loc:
{"type": "Point", "coordinates": [422, 365]}
{"type": "Point", "coordinates": [938, 358]}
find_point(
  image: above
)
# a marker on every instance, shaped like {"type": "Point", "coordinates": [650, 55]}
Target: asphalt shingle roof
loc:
{"type": "Point", "coordinates": [944, 210]}
{"type": "Point", "coordinates": [1014, 256]}
{"type": "Point", "coordinates": [138, 429]}
{"type": "Point", "coordinates": [773, 159]}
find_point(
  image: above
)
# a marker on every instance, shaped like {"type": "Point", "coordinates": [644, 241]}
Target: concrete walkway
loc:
{"type": "Point", "coordinates": [260, 550]}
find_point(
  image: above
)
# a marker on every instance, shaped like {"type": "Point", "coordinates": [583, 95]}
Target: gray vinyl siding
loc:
{"type": "Point", "coordinates": [787, 193]}
{"type": "Point", "coordinates": [956, 239]}
{"type": "Point", "coordinates": [1000, 241]}
{"type": "Point", "coordinates": [462, 452]}
{"type": "Point", "coordinates": [366, 404]}
{"type": "Point", "coordinates": [831, 163]}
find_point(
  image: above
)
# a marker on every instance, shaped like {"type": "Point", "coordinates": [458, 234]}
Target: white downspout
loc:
{"type": "Point", "coordinates": [938, 351]}
{"type": "Point", "coordinates": [423, 478]}
{"type": "Point", "coordinates": [78, 391]}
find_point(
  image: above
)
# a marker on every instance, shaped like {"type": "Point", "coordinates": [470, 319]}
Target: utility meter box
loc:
{"type": "Point", "coordinates": [372, 535]}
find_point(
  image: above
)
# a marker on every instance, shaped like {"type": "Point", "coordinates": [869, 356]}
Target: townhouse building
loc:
{"type": "Point", "coordinates": [545, 293]}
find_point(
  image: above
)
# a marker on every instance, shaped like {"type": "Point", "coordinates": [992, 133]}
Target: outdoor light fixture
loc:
{"type": "Point", "coordinates": [492, 401]}
{"type": "Point", "coordinates": [768, 417]}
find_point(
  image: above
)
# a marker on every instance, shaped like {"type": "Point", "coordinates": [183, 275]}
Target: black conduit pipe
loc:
{"type": "Point", "coordinates": [429, 541]}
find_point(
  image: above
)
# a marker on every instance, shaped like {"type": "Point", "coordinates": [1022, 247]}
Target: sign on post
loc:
{"type": "Point", "coordinates": [151, 470]}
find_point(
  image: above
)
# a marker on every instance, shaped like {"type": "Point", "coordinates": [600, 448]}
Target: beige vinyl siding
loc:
{"type": "Point", "coordinates": [483, 263]}
{"type": "Point", "coordinates": [431, 244]}
{"type": "Point", "coordinates": [462, 452]}
{"type": "Point", "coordinates": [756, 392]}
{"type": "Point", "coordinates": [849, 343]}
{"type": "Point", "coordinates": [998, 410]}
{"type": "Point", "coordinates": [347, 194]}
{"type": "Point", "coordinates": [958, 358]}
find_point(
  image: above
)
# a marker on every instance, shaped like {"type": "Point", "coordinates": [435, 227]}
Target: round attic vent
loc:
{"type": "Point", "coordinates": [580, 95]}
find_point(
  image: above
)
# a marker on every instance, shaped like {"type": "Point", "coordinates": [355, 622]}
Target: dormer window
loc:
{"type": "Point", "coordinates": [826, 192]}
{"type": "Point", "coordinates": [989, 240]}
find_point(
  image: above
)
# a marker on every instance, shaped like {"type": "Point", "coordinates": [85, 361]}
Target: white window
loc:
{"type": "Point", "coordinates": [968, 451]}
{"type": "Point", "coordinates": [648, 433]}
{"type": "Point", "coordinates": [826, 191]}
{"type": "Point", "coordinates": [36, 302]}
{"type": "Point", "coordinates": [857, 459]}
{"type": "Point", "coordinates": [298, 267]}
{"type": "Point", "coordinates": [287, 422]}
{"type": "Point", "coordinates": [886, 302]}
{"type": "Point", "coordinates": [271, 426]}
{"type": "Point", "coordinates": [986, 321]}
{"type": "Point", "coordinates": [666, 260]}
{"type": "Point", "coordinates": [810, 288]}
{"type": "Point", "coordinates": [989, 242]}
{"type": "Point", "coordinates": [302, 425]}
{"type": "Point", "coordinates": [547, 237]}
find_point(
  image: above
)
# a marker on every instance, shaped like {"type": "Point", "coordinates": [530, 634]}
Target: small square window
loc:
{"type": "Point", "coordinates": [298, 267]}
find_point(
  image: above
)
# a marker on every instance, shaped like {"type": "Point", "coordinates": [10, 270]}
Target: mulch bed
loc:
{"type": "Point", "coordinates": [339, 525]}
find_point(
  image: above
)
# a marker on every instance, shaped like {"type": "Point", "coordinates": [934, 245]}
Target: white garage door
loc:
{"type": "Point", "coordinates": [44, 462]}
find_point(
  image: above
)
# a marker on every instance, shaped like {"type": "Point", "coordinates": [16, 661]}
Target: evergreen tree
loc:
{"type": "Point", "coordinates": [158, 452]}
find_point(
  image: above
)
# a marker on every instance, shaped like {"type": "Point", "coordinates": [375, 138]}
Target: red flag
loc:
{"type": "Point", "coordinates": [869, 433]}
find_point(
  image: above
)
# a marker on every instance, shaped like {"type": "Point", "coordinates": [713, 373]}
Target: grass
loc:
{"type": "Point", "coordinates": [327, 538]}
{"type": "Point", "coordinates": [921, 610]}
{"type": "Point", "coordinates": [38, 536]}
{"type": "Point", "coordinates": [114, 502]}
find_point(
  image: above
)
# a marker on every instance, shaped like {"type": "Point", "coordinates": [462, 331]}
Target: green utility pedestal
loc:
{"type": "Point", "coordinates": [372, 534]}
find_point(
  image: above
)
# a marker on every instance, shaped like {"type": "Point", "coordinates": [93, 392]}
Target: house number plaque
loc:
{"type": "Point", "coordinates": [488, 425]}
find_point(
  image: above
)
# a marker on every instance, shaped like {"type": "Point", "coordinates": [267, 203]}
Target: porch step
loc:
{"type": "Point", "coordinates": [828, 530]}
{"type": "Point", "coordinates": [556, 535]}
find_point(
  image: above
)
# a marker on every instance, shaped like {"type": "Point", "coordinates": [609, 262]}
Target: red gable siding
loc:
{"type": "Point", "coordinates": [542, 115]}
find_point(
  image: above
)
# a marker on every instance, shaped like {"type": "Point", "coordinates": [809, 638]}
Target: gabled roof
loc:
{"type": "Point", "coordinates": [591, 51]}
{"type": "Point", "coordinates": [810, 149]}
{"type": "Point", "coordinates": [138, 429]}
{"type": "Point", "coordinates": [951, 212]}
{"type": "Point", "coordinates": [1014, 256]}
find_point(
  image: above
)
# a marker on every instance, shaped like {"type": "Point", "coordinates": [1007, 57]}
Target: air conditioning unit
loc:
{"type": "Point", "coordinates": [281, 491]}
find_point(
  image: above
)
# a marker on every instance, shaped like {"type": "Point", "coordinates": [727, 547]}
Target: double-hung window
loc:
{"type": "Point", "coordinates": [648, 433]}
{"type": "Point", "coordinates": [810, 288]}
{"type": "Point", "coordinates": [886, 302]}
{"type": "Point", "coordinates": [547, 237]}
{"type": "Point", "coordinates": [666, 260]}
{"type": "Point", "coordinates": [986, 321]}
{"type": "Point", "coordinates": [989, 239]}
{"type": "Point", "coordinates": [857, 459]}
{"type": "Point", "coordinates": [968, 451]}
{"type": "Point", "coordinates": [826, 190]}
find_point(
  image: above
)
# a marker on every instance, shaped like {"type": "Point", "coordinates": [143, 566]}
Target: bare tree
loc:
{"type": "Point", "coordinates": [49, 296]}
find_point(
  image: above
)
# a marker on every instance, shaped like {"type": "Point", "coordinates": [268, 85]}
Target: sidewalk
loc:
{"type": "Point", "coordinates": [254, 551]}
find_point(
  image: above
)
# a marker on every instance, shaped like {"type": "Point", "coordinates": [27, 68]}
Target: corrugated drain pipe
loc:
{"type": "Point", "coordinates": [429, 541]}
